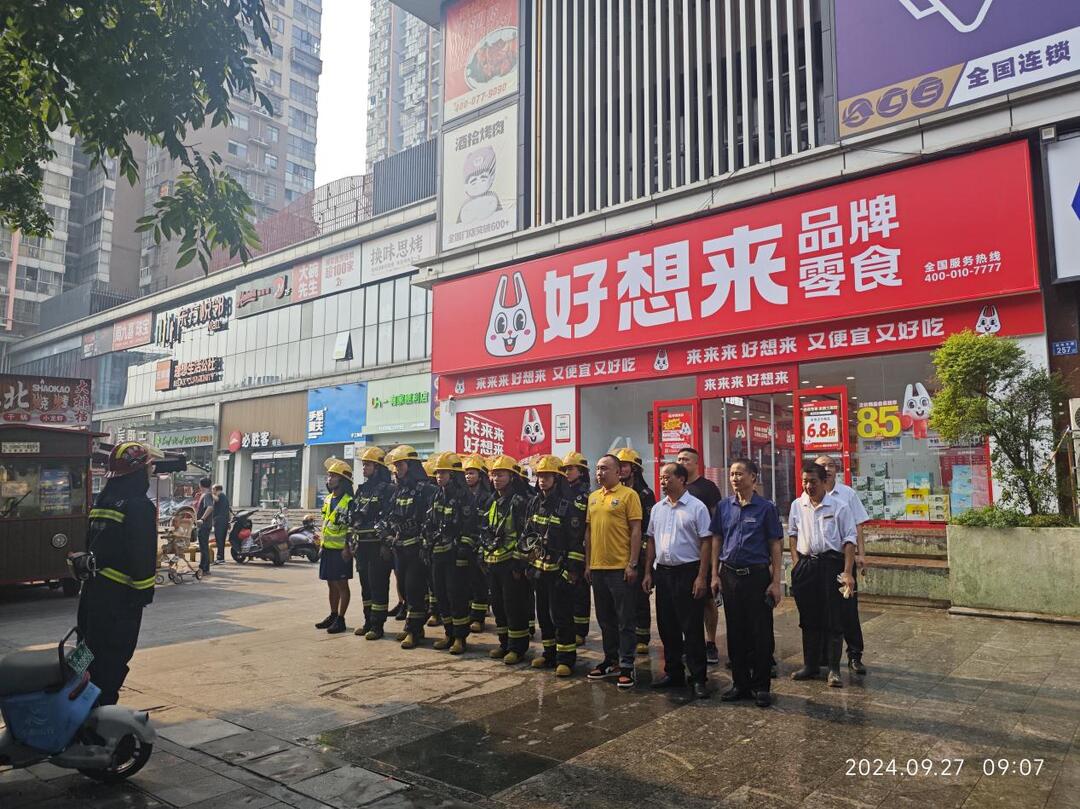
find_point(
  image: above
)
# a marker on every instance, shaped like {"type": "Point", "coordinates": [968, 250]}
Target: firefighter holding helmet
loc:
{"type": "Point", "coordinates": [122, 546]}
{"type": "Point", "coordinates": [335, 563]}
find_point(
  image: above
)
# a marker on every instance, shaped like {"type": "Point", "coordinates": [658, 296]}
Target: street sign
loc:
{"type": "Point", "coordinates": [1064, 348]}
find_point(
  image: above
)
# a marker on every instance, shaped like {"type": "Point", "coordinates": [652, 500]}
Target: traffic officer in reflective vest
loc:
{"type": "Point", "coordinates": [335, 562]}
{"type": "Point", "coordinates": [511, 593]}
{"type": "Point", "coordinates": [412, 500]}
{"type": "Point", "coordinates": [631, 472]}
{"type": "Point", "coordinates": [577, 470]}
{"type": "Point", "coordinates": [559, 563]}
{"type": "Point", "coordinates": [452, 527]}
{"type": "Point", "coordinates": [123, 540]}
{"type": "Point", "coordinates": [374, 560]}
{"type": "Point", "coordinates": [476, 478]}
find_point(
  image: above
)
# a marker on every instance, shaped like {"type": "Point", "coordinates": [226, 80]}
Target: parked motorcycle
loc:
{"type": "Point", "coordinates": [47, 703]}
{"type": "Point", "coordinates": [306, 541]}
{"type": "Point", "coordinates": [277, 542]}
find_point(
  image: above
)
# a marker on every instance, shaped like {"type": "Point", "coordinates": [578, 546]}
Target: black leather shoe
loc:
{"type": "Point", "coordinates": [337, 627]}
{"type": "Point", "coordinates": [763, 699]}
{"type": "Point", "coordinates": [734, 695]}
{"type": "Point", "coordinates": [700, 691]}
{"type": "Point", "coordinates": [667, 682]}
{"type": "Point", "coordinates": [326, 622]}
{"type": "Point", "coordinates": [856, 665]}
{"type": "Point", "coordinates": [806, 673]}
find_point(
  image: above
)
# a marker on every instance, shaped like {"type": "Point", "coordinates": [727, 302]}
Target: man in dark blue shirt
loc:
{"type": "Point", "coordinates": [747, 530]}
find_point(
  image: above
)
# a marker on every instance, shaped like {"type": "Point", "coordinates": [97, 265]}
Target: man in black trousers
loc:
{"type": "Point", "coordinates": [746, 528]}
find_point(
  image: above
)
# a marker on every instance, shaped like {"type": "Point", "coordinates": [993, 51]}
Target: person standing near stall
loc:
{"type": "Point", "coordinates": [576, 469]}
{"type": "Point", "coordinates": [204, 515]}
{"type": "Point", "coordinates": [511, 592]}
{"type": "Point", "coordinates": [632, 474]}
{"type": "Point", "coordinates": [222, 510]}
{"type": "Point", "coordinates": [335, 561]}
{"type": "Point", "coordinates": [412, 500]}
{"type": "Point", "coordinates": [374, 561]}
{"type": "Point", "coordinates": [123, 539]}
{"type": "Point", "coordinates": [452, 526]}
{"type": "Point", "coordinates": [476, 478]}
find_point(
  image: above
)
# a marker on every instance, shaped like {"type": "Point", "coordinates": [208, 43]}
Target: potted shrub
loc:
{"type": "Point", "coordinates": [1018, 555]}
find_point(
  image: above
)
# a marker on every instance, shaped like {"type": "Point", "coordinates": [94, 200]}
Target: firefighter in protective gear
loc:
{"type": "Point", "coordinates": [411, 503]}
{"type": "Point", "coordinates": [511, 591]}
{"type": "Point", "coordinates": [335, 562]}
{"type": "Point", "coordinates": [374, 560]}
{"type": "Point", "coordinates": [433, 618]}
{"type": "Point", "coordinates": [560, 564]}
{"type": "Point", "coordinates": [123, 540]}
{"type": "Point", "coordinates": [451, 534]}
{"type": "Point", "coordinates": [579, 481]}
{"type": "Point", "coordinates": [631, 472]}
{"type": "Point", "coordinates": [476, 478]}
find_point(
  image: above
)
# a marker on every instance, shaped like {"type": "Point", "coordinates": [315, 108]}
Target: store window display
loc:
{"type": "Point", "coordinates": [902, 470]}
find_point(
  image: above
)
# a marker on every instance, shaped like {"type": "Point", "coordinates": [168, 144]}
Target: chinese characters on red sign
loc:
{"type": "Point", "coordinates": [821, 426]}
{"type": "Point", "coordinates": [516, 431]}
{"type": "Point", "coordinates": [44, 400]}
{"type": "Point", "coordinates": [745, 383]}
{"type": "Point", "coordinates": [882, 244]}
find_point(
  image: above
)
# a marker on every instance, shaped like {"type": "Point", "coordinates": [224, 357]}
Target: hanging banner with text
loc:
{"type": "Point", "coordinates": [515, 431]}
{"type": "Point", "coordinates": [941, 232]}
{"type": "Point", "coordinates": [480, 51]}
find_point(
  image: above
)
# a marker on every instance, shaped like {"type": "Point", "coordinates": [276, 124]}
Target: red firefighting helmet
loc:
{"type": "Point", "coordinates": [131, 456]}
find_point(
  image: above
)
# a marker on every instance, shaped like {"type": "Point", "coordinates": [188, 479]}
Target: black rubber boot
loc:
{"type": "Point", "coordinates": [836, 649]}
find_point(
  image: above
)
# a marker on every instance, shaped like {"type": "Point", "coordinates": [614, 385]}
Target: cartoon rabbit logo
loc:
{"type": "Point", "coordinates": [459, 386]}
{"type": "Point", "coordinates": [989, 322]}
{"type": "Point", "coordinates": [916, 410]}
{"type": "Point", "coordinates": [511, 329]}
{"type": "Point", "coordinates": [661, 362]}
{"type": "Point", "coordinates": [532, 429]}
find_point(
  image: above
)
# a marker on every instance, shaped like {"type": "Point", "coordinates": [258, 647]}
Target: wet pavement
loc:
{"type": "Point", "coordinates": [258, 710]}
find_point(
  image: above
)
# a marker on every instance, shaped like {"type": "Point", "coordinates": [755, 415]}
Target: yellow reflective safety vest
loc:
{"type": "Point", "coordinates": [335, 525]}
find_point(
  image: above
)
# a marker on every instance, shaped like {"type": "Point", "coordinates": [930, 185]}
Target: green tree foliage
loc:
{"type": "Point", "coordinates": [113, 69]}
{"type": "Point", "coordinates": [989, 387]}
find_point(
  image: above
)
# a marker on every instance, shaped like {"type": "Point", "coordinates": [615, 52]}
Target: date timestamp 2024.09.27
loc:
{"type": "Point", "coordinates": [945, 767]}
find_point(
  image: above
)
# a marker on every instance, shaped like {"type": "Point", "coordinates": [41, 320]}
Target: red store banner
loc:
{"type": "Point", "coordinates": [516, 431]}
{"type": "Point", "coordinates": [746, 383]}
{"type": "Point", "coordinates": [942, 232]}
{"type": "Point", "coordinates": [879, 334]}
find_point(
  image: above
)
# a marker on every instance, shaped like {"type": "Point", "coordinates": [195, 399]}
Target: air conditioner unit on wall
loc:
{"type": "Point", "coordinates": [1074, 415]}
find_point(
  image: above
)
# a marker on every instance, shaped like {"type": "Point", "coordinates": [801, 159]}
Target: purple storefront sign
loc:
{"type": "Point", "coordinates": [900, 59]}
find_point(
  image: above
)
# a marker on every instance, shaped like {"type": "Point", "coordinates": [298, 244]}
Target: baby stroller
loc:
{"type": "Point", "coordinates": [173, 561]}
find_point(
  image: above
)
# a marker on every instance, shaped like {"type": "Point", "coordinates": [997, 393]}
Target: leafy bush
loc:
{"type": "Point", "coordinates": [998, 517]}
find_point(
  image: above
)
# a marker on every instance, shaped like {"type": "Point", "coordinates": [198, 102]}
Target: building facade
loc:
{"type": "Point", "coordinates": [404, 73]}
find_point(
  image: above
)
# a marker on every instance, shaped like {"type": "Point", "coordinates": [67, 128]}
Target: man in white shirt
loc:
{"type": "Point", "coordinates": [852, 626]}
{"type": "Point", "coordinates": [679, 561]}
{"type": "Point", "coordinates": [823, 544]}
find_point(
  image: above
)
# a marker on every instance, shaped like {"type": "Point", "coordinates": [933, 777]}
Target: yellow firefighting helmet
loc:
{"type": "Point", "coordinates": [401, 453]}
{"type": "Point", "coordinates": [575, 459]}
{"type": "Point", "coordinates": [627, 455]}
{"type": "Point", "coordinates": [473, 462]}
{"type": "Point", "coordinates": [336, 466]}
{"type": "Point", "coordinates": [504, 462]}
{"type": "Point", "coordinates": [548, 463]}
{"type": "Point", "coordinates": [374, 455]}
{"type": "Point", "coordinates": [429, 466]}
{"type": "Point", "coordinates": [448, 462]}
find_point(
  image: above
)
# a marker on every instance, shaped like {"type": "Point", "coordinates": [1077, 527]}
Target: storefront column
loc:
{"type": "Point", "coordinates": [307, 494]}
{"type": "Point", "coordinates": [242, 480]}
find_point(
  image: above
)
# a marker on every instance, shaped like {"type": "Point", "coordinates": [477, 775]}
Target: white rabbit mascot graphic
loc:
{"type": "Point", "coordinates": [661, 363]}
{"type": "Point", "coordinates": [532, 429]}
{"type": "Point", "coordinates": [915, 414]}
{"type": "Point", "coordinates": [511, 329]}
{"type": "Point", "coordinates": [989, 321]}
{"type": "Point", "coordinates": [459, 386]}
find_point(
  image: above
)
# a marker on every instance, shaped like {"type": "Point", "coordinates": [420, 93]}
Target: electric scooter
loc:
{"type": "Point", "coordinates": [47, 703]}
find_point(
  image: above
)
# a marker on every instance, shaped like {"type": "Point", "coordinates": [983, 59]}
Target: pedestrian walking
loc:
{"type": "Point", "coordinates": [451, 543]}
{"type": "Point", "coordinates": [746, 569]}
{"type": "Point", "coordinates": [222, 510]}
{"type": "Point", "coordinates": [632, 474]}
{"type": "Point", "coordinates": [555, 520]}
{"type": "Point", "coordinates": [204, 519]}
{"type": "Point", "coordinates": [823, 544]}
{"type": "Point", "coordinates": [576, 469]}
{"type": "Point", "coordinates": [374, 559]}
{"type": "Point", "coordinates": [612, 553]}
{"type": "Point", "coordinates": [335, 561]}
{"type": "Point", "coordinates": [707, 492]}
{"type": "Point", "coordinates": [511, 592]}
{"type": "Point", "coordinates": [679, 563]}
{"type": "Point", "coordinates": [852, 625]}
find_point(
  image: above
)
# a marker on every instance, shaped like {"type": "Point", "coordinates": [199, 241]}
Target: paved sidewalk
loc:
{"type": "Point", "coordinates": [256, 708]}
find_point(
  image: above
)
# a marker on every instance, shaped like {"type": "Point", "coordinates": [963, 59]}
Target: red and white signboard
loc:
{"type": "Point", "coordinates": [676, 430]}
{"type": "Point", "coordinates": [516, 431]}
{"type": "Point", "coordinates": [45, 400]}
{"type": "Point", "coordinates": [952, 230]}
{"type": "Point", "coordinates": [745, 383]}
{"type": "Point", "coordinates": [821, 426]}
{"type": "Point", "coordinates": [480, 48]}
{"type": "Point", "coordinates": [132, 332]}
{"type": "Point", "coordinates": [1019, 315]}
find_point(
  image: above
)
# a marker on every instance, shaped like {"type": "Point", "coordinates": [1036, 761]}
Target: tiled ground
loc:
{"type": "Point", "coordinates": [257, 710]}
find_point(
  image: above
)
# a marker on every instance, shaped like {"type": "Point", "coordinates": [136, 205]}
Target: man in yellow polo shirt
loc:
{"type": "Point", "coordinates": [612, 549]}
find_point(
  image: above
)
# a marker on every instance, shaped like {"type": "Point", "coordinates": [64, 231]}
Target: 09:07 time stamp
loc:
{"type": "Point", "coordinates": [945, 767]}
